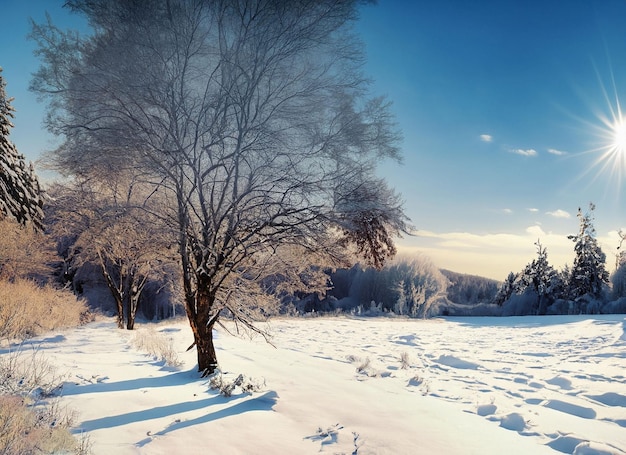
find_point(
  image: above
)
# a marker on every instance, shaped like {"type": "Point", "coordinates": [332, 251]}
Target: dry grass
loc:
{"type": "Point", "coordinates": [30, 429]}
{"type": "Point", "coordinates": [27, 310]}
{"type": "Point", "coordinates": [405, 360]}
{"type": "Point", "coordinates": [156, 345]}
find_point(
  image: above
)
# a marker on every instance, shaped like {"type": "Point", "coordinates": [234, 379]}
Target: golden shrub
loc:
{"type": "Point", "coordinates": [27, 309]}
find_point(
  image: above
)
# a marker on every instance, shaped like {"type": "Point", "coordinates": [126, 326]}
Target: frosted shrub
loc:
{"type": "Point", "coordinates": [240, 385]}
{"type": "Point", "coordinates": [26, 373]}
{"type": "Point", "coordinates": [365, 367]}
{"type": "Point", "coordinates": [28, 424]}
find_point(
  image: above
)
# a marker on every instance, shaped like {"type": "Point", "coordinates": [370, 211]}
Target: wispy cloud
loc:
{"type": "Point", "coordinates": [526, 152]}
{"type": "Point", "coordinates": [507, 211]}
{"type": "Point", "coordinates": [559, 214]}
{"type": "Point", "coordinates": [486, 137]}
{"type": "Point", "coordinates": [557, 152]}
{"type": "Point", "coordinates": [533, 210]}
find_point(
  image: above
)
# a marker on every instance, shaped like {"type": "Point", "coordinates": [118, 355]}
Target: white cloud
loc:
{"type": "Point", "coordinates": [535, 231]}
{"type": "Point", "coordinates": [492, 255]}
{"type": "Point", "coordinates": [557, 152]}
{"type": "Point", "coordinates": [559, 214]}
{"type": "Point", "coordinates": [527, 152]}
{"type": "Point", "coordinates": [507, 211]}
{"type": "Point", "coordinates": [486, 137]}
{"type": "Point", "coordinates": [532, 209]}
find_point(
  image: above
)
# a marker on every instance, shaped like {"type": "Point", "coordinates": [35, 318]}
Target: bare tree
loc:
{"type": "Point", "coordinates": [111, 223]}
{"type": "Point", "coordinates": [252, 115]}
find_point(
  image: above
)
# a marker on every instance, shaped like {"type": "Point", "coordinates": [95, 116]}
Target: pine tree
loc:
{"type": "Point", "coordinates": [589, 275]}
{"type": "Point", "coordinates": [20, 193]}
{"type": "Point", "coordinates": [507, 289]}
{"type": "Point", "coordinates": [540, 278]}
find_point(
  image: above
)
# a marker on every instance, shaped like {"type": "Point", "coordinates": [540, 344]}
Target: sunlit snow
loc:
{"type": "Point", "coordinates": [526, 385]}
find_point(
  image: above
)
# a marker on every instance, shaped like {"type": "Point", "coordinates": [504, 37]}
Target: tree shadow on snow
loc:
{"type": "Point", "coordinates": [263, 402]}
{"type": "Point", "coordinates": [168, 380]}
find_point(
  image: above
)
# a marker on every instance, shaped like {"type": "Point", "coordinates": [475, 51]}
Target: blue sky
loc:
{"type": "Point", "coordinates": [500, 104]}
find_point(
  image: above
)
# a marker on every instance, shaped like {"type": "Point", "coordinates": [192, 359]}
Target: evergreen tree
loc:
{"type": "Point", "coordinates": [507, 289]}
{"type": "Point", "coordinates": [540, 278]}
{"type": "Point", "coordinates": [20, 194]}
{"type": "Point", "coordinates": [588, 275]}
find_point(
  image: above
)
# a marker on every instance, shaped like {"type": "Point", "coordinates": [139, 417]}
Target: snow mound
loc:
{"type": "Point", "coordinates": [513, 422]}
{"type": "Point", "coordinates": [455, 362]}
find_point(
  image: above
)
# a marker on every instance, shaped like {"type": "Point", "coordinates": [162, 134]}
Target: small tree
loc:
{"type": "Point", "coordinates": [20, 194]}
{"type": "Point", "coordinates": [507, 289]}
{"type": "Point", "coordinates": [112, 225]}
{"type": "Point", "coordinates": [588, 274]}
{"type": "Point", "coordinates": [540, 278]}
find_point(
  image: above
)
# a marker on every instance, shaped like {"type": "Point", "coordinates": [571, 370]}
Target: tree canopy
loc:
{"type": "Point", "coordinates": [251, 119]}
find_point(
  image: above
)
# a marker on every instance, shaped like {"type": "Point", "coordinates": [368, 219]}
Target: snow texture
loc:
{"type": "Point", "coordinates": [521, 385]}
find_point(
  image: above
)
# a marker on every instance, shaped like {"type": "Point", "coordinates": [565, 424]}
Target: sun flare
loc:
{"type": "Point", "coordinates": [609, 131]}
{"type": "Point", "coordinates": [619, 136]}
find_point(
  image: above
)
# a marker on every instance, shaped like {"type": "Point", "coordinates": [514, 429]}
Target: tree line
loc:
{"type": "Point", "coordinates": [585, 287]}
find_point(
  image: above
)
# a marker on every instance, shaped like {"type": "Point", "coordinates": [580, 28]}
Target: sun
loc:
{"type": "Point", "coordinates": [619, 136]}
{"type": "Point", "coordinates": [609, 132]}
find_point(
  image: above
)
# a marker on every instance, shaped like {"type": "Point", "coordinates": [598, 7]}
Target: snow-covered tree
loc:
{"type": "Point", "coordinates": [507, 289]}
{"type": "Point", "coordinates": [540, 279]}
{"type": "Point", "coordinates": [20, 195]}
{"type": "Point", "coordinates": [588, 274]}
{"type": "Point", "coordinates": [255, 118]}
{"type": "Point", "coordinates": [618, 277]}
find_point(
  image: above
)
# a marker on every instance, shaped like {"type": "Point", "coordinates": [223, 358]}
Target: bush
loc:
{"type": "Point", "coordinates": [26, 373]}
{"type": "Point", "coordinates": [28, 310]}
{"type": "Point", "coordinates": [30, 421]}
{"type": "Point", "coordinates": [24, 253]}
{"type": "Point", "coordinates": [29, 430]}
{"type": "Point", "coordinates": [239, 385]}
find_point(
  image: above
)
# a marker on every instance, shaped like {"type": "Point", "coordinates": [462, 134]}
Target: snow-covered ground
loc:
{"type": "Point", "coordinates": [526, 385]}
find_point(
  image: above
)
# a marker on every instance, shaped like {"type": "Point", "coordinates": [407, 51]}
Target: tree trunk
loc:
{"type": "Point", "coordinates": [203, 340]}
{"type": "Point", "coordinates": [207, 359]}
{"type": "Point", "coordinates": [117, 295]}
{"type": "Point", "coordinates": [136, 284]}
{"type": "Point", "coordinates": [130, 322]}
{"type": "Point", "coordinates": [202, 327]}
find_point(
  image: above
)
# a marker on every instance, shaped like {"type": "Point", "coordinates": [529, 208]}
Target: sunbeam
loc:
{"type": "Point", "coordinates": [608, 129]}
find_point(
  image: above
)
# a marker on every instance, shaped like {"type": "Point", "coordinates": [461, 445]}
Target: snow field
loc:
{"type": "Point", "coordinates": [526, 385]}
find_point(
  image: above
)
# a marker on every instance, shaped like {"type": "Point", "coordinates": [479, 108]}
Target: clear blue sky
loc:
{"type": "Point", "coordinates": [500, 104]}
